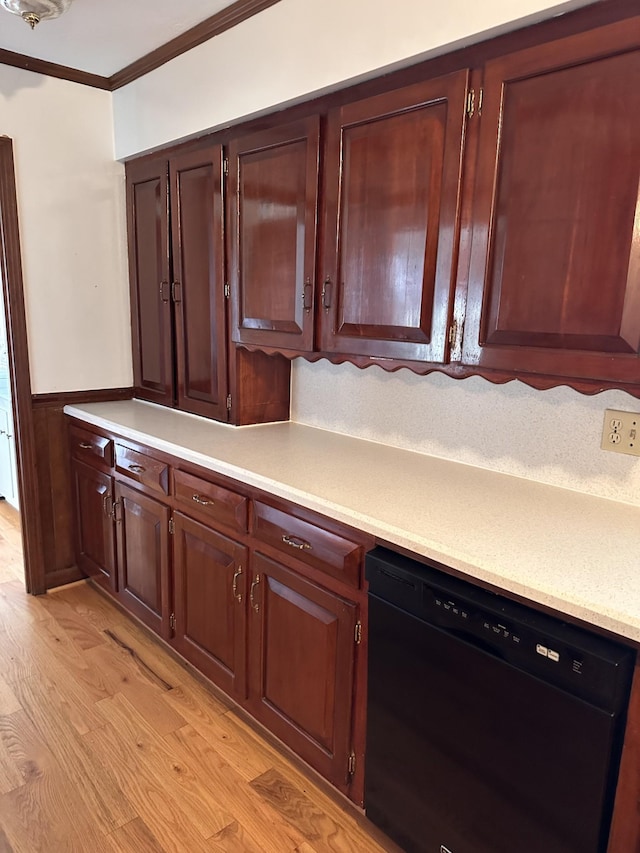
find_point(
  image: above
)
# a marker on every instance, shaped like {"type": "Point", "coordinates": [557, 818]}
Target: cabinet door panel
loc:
{"type": "Point", "coordinates": [95, 550]}
{"type": "Point", "coordinates": [391, 221]}
{"type": "Point", "coordinates": [301, 665]}
{"type": "Point", "coordinates": [273, 197]}
{"type": "Point", "coordinates": [198, 287]}
{"type": "Point", "coordinates": [142, 529]}
{"type": "Point", "coordinates": [148, 225]}
{"type": "Point", "coordinates": [555, 269]}
{"type": "Point", "coordinates": [210, 572]}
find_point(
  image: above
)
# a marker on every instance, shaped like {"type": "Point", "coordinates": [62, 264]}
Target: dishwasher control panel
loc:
{"type": "Point", "coordinates": [594, 668]}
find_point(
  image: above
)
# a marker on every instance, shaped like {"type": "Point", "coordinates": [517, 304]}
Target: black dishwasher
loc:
{"type": "Point", "coordinates": [492, 728]}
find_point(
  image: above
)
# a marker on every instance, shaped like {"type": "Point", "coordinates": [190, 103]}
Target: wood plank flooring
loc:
{"type": "Point", "coordinates": [107, 744]}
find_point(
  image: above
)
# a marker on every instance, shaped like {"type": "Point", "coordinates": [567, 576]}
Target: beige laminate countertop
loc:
{"type": "Point", "coordinates": [573, 552]}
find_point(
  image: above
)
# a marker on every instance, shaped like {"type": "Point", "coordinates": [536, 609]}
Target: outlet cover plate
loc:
{"type": "Point", "coordinates": [621, 432]}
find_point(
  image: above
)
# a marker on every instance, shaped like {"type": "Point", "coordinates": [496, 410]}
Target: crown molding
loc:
{"type": "Point", "coordinates": [213, 26]}
{"type": "Point", "coordinates": [51, 69]}
{"type": "Point", "coordinates": [205, 30]}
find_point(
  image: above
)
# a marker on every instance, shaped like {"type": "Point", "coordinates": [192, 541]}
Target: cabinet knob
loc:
{"type": "Point", "coordinates": [164, 291]}
{"type": "Point", "coordinates": [137, 469]}
{"type": "Point", "coordinates": [86, 446]}
{"type": "Point", "coordinates": [294, 542]}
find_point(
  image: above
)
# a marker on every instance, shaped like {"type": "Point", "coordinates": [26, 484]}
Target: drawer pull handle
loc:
{"type": "Point", "coordinates": [137, 469]}
{"type": "Point", "coordinates": [86, 446]}
{"type": "Point", "coordinates": [237, 595]}
{"type": "Point", "coordinates": [294, 542]}
{"type": "Point", "coordinates": [197, 499]}
{"type": "Point", "coordinates": [254, 604]}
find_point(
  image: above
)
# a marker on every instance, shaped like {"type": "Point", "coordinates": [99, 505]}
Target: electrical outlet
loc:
{"type": "Point", "coordinates": [621, 432]}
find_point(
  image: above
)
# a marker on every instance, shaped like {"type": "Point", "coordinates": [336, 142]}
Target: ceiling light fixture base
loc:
{"type": "Point", "coordinates": [34, 11]}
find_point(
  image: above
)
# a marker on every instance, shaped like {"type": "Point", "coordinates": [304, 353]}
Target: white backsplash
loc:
{"type": "Point", "coordinates": [549, 436]}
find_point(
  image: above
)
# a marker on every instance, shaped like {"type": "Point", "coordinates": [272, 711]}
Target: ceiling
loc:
{"type": "Point", "coordinates": [104, 36]}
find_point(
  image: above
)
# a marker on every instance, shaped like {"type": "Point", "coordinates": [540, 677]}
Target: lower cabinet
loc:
{"type": "Point", "coordinates": [302, 641]}
{"type": "Point", "coordinates": [95, 551]}
{"type": "Point", "coordinates": [209, 577]}
{"type": "Point", "coordinates": [142, 535]}
{"type": "Point", "coordinates": [265, 599]}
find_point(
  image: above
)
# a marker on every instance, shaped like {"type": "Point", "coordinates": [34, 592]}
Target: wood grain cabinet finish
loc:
{"type": "Point", "coordinates": [95, 541]}
{"type": "Point", "coordinates": [176, 265]}
{"type": "Point", "coordinates": [301, 661]}
{"type": "Point", "coordinates": [273, 193]}
{"type": "Point", "coordinates": [95, 449]}
{"type": "Point", "coordinates": [144, 469]}
{"type": "Point", "coordinates": [150, 279]}
{"type": "Point", "coordinates": [280, 631]}
{"type": "Point", "coordinates": [142, 535]}
{"type": "Point", "coordinates": [554, 283]}
{"type": "Point", "coordinates": [391, 201]}
{"type": "Point", "coordinates": [197, 251]}
{"type": "Point", "coordinates": [210, 580]}
{"type": "Point", "coordinates": [213, 503]}
{"type": "Point", "coordinates": [331, 553]}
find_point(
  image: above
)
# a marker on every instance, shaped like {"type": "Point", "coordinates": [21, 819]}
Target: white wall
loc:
{"type": "Point", "coordinates": [550, 436]}
{"type": "Point", "coordinates": [294, 48]}
{"type": "Point", "coordinates": [71, 209]}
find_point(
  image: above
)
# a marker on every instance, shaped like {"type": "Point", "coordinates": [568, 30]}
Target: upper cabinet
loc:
{"type": "Point", "coordinates": [554, 285]}
{"type": "Point", "coordinates": [273, 193]}
{"type": "Point", "coordinates": [177, 277]}
{"type": "Point", "coordinates": [179, 295]}
{"type": "Point", "coordinates": [481, 221]}
{"type": "Point", "coordinates": [197, 251]}
{"type": "Point", "coordinates": [150, 279]}
{"type": "Point", "coordinates": [389, 211]}
{"type": "Point", "coordinates": [390, 207]}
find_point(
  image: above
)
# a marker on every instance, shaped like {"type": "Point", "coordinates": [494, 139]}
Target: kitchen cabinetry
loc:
{"type": "Point", "coordinates": [535, 276]}
{"type": "Point", "coordinates": [391, 199]}
{"type": "Point", "coordinates": [265, 599]}
{"type": "Point", "coordinates": [95, 552]}
{"type": "Point", "coordinates": [210, 577]}
{"type": "Point", "coordinates": [91, 459]}
{"type": "Point", "coordinates": [177, 277]}
{"type": "Point", "coordinates": [178, 295]}
{"type": "Point", "coordinates": [273, 194]}
{"type": "Point", "coordinates": [142, 534]}
{"type": "Point", "coordinates": [554, 284]}
{"type": "Point", "coordinates": [299, 627]}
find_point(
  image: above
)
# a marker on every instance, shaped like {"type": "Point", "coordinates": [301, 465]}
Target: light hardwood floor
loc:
{"type": "Point", "coordinates": [108, 744]}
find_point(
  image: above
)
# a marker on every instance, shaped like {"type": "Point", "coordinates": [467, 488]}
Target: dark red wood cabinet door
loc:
{"type": "Point", "coordinates": [273, 196]}
{"type": "Point", "coordinates": [210, 583]}
{"type": "Point", "coordinates": [197, 288]}
{"type": "Point", "coordinates": [95, 551]}
{"type": "Point", "coordinates": [555, 264]}
{"type": "Point", "coordinates": [149, 277]}
{"type": "Point", "coordinates": [301, 655]}
{"type": "Point", "coordinates": [392, 191]}
{"type": "Point", "coordinates": [142, 535]}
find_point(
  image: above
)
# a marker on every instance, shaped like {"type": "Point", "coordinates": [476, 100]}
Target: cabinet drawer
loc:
{"type": "Point", "coordinates": [87, 445]}
{"type": "Point", "coordinates": [142, 468]}
{"type": "Point", "coordinates": [194, 494]}
{"type": "Point", "coordinates": [319, 548]}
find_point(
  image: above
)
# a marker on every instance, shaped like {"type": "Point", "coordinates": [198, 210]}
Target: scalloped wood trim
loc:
{"type": "Point", "coordinates": [456, 371]}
